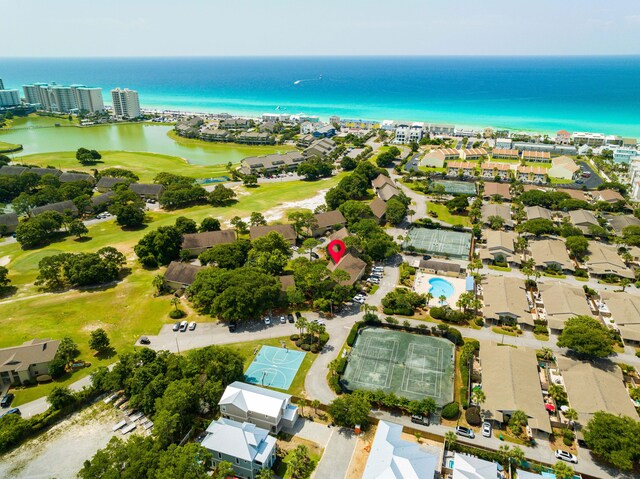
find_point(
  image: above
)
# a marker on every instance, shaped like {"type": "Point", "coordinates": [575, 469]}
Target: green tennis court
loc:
{"type": "Point", "coordinates": [446, 243]}
{"type": "Point", "coordinates": [457, 187]}
{"type": "Point", "coordinates": [409, 365]}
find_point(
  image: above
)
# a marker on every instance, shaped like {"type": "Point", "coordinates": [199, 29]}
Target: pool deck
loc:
{"type": "Point", "coordinates": [421, 285]}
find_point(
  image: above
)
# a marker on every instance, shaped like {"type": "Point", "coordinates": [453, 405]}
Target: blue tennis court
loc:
{"type": "Point", "coordinates": [274, 367]}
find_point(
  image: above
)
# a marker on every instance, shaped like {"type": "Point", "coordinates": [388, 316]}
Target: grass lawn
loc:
{"type": "Point", "coordinates": [246, 351]}
{"type": "Point", "coordinates": [541, 337]}
{"type": "Point", "coordinates": [444, 215]}
{"type": "Point", "coordinates": [34, 120]}
{"type": "Point", "coordinates": [499, 330]}
{"type": "Point", "coordinates": [8, 147]}
{"type": "Point", "coordinates": [432, 169]}
{"type": "Point", "coordinates": [560, 181]}
{"type": "Point", "coordinates": [499, 268]}
{"type": "Point", "coordinates": [557, 276]}
{"type": "Point", "coordinates": [315, 454]}
{"type": "Point", "coordinates": [125, 310]}
{"type": "Point", "coordinates": [145, 165]}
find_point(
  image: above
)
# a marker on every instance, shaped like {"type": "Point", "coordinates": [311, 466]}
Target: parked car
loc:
{"type": "Point", "coordinates": [176, 327]}
{"type": "Point", "coordinates": [315, 255]}
{"type": "Point", "coordinates": [317, 321]}
{"type": "Point", "coordinates": [465, 432]}
{"type": "Point", "coordinates": [290, 318]}
{"type": "Point", "coordinates": [283, 320]}
{"type": "Point", "coordinates": [579, 182]}
{"type": "Point", "coordinates": [298, 314]}
{"type": "Point", "coordinates": [183, 326]}
{"type": "Point", "coordinates": [566, 456]}
{"type": "Point", "coordinates": [232, 327]}
{"type": "Point", "coordinates": [486, 429]}
{"type": "Point", "coordinates": [145, 340]}
{"type": "Point", "coordinates": [15, 410]}
{"type": "Point", "coordinates": [267, 320]}
{"type": "Point", "coordinates": [6, 400]}
{"type": "Point", "coordinates": [192, 325]}
{"type": "Point", "coordinates": [418, 419]}
{"type": "Point", "coordinates": [426, 257]}
{"type": "Point", "coordinates": [586, 174]}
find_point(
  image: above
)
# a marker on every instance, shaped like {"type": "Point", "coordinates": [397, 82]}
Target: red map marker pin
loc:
{"type": "Point", "coordinates": [336, 250]}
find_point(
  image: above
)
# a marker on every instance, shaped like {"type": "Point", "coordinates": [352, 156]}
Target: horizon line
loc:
{"type": "Point", "coordinates": [430, 55]}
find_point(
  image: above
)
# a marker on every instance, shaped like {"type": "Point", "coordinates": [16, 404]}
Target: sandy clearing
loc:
{"type": "Point", "coordinates": [61, 451]}
{"type": "Point", "coordinates": [5, 260]}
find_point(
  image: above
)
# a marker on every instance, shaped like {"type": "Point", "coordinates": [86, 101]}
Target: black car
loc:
{"type": "Point", "coordinates": [233, 327]}
{"type": "Point", "coordinates": [145, 340]}
{"type": "Point", "coordinates": [15, 410]}
{"type": "Point", "coordinates": [315, 255]}
{"type": "Point", "coordinates": [298, 314]}
{"type": "Point", "coordinates": [7, 400]}
{"type": "Point", "coordinates": [290, 318]}
{"type": "Point", "coordinates": [426, 257]}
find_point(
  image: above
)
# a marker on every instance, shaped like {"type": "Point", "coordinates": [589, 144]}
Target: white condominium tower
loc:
{"type": "Point", "coordinates": [64, 99]}
{"type": "Point", "coordinates": [125, 103]}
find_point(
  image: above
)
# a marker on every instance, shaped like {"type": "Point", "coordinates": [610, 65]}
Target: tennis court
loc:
{"type": "Point", "coordinates": [409, 365]}
{"type": "Point", "coordinates": [274, 367]}
{"type": "Point", "coordinates": [457, 187]}
{"type": "Point", "coordinates": [450, 244]}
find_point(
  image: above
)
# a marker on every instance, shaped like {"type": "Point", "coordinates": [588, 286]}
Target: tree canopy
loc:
{"type": "Point", "coordinates": [587, 337]}
{"type": "Point", "coordinates": [159, 247]}
{"type": "Point", "coordinates": [614, 438]}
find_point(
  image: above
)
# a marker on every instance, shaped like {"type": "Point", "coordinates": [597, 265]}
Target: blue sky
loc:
{"type": "Point", "coordinates": [38, 28]}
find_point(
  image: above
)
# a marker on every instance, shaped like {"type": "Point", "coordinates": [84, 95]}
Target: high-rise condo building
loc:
{"type": "Point", "coordinates": [64, 99]}
{"type": "Point", "coordinates": [126, 103]}
{"type": "Point", "coordinates": [1, 84]}
{"type": "Point", "coordinates": [9, 98]}
{"type": "Point", "coordinates": [88, 98]}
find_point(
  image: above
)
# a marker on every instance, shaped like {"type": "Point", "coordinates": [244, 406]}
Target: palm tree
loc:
{"type": "Point", "coordinates": [547, 354]}
{"type": "Point", "coordinates": [624, 282]}
{"type": "Point", "coordinates": [175, 302]}
{"type": "Point", "coordinates": [301, 324]}
{"type": "Point", "coordinates": [449, 438]}
{"type": "Point", "coordinates": [315, 404]}
{"type": "Point", "coordinates": [516, 455]}
{"type": "Point", "coordinates": [518, 421]}
{"type": "Point", "coordinates": [265, 474]}
{"type": "Point", "coordinates": [429, 297]}
{"type": "Point", "coordinates": [478, 396]}
{"type": "Point", "coordinates": [562, 470]}
{"type": "Point", "coordinates": [303, 403]}
{"type": "Point", "coordinates": [504, 451]}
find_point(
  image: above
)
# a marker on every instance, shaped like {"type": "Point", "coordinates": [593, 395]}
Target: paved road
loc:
{"type": "Point", "coordinates": [337, 456]}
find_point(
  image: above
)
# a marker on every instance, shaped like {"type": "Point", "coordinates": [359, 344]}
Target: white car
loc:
{"type": "Point", "coordinates": [267, 320]}
{"type": "Point", "coordinates": [283, 319]}
{"type": "Point", "coordinates": [359, 300]}
{"type": "Point", "coordinates": [486, 429]}
{"type": "Point", "coordinates": [317, 321]}
{"type": "Point", "coordinates": [566, 456]}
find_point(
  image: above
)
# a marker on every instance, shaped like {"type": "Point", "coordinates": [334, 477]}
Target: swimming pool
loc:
{"type": "Point", "coordinates": [441, 287]}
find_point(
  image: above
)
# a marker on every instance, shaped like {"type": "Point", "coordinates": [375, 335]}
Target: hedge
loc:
{"type": "Point", "coordinates": [473, 416]}
{"type": "Point", "coordinates": [451, 411]}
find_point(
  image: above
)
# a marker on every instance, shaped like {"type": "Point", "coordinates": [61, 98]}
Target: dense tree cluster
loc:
{"type": "Point", "coordinates": [350, 410]}
{"type": "Point", "coordinates": [127, 207]}
{"type": "Point", "coordinates": [80, 269]}
{"type": "Point", "coordinates": [587, 337]}
{"type": "Point", "coordinates": [180, 191]}
{"type": "Point", "coordinates": [87, 157]}
{"type": "Point", "coordinates": [227, 256]}
{"type": "Point", "coordinates": [234, 295]}
{"type": "Point", "coordinates": [403, 301]}
{"type": "Point", "coordinates": [159, 247]}
{"type": "Point", "coordinates": [117, 173]}
{"type": "Point", "coordinates": [614, 438]}
{"type": "Point", "coordinates": [371, 241]}
{"type": "Point", "coordinates": [315, 168]}
{"type": "Point", "coordinates": [353, 186]}
{"type": "Point", "coordinates": [40, 191]}
{"type": "Point", "coordinates": [37, 231]}
{"type": "Point", "coordinates": [221, 196]}
{"type": "Point", "coordinates": [316, 283]}
{"type": "Point", "coordinates": [386, 158]}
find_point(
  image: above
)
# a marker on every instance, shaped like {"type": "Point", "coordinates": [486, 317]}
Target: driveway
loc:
{"type": "Point", "coordinates": [337, 455]}
{"type": "Point", "coordinates": [311, 431]}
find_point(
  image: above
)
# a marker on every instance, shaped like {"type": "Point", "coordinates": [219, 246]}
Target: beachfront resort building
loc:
{"type": "Point", "coordinates": [9, 98]}
{"type": "Point", "coordinates": [589, 139]}
{"type": "Point", "coordinates": [625, 154]}
{"type": "Point", "coordinates": [408, 134]}
{"type": "Point", "coordinates": [64, 99]}
{"type": "Point", "coordinates": [126, 103]}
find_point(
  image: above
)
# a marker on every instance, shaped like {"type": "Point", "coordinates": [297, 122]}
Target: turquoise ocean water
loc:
{"type": "Point", "coordinates": [520, 93]}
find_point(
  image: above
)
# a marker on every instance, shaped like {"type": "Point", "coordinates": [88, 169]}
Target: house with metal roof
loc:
{"type": "Point", "coordinates": [562, 302]}
{"type": "Point", "coordinates": [288, 231]}
{"type": "Point", "coordinates": [197, 243]}
{"type": "Point", "coordinates": [180, 275]}
{"type": "Point", "coordinates": [247, 447]}
{"type": "Point", "coordinates": [564, 167]}
{"type": "Point", "coordinates": [24, 363]}
{"type": "Point", "coordinates": [263, 407]}
{"type": "Point", "coordinates": [510, 380]}
{"type": "Point", "coordinates": [504, 300]}
{"type": "Point", "coordinates": [592, 388]}
{"type": "Point", "coordinates": [603, 260]}
{"type": "Point", "coordinates": [394, 458]}
{"type": "Point", "coordinates": [471, 467]}
{"type": "Point", "coordinates": [551, 253]}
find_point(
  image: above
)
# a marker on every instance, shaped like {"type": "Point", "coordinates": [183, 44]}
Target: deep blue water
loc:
{"type": "Point", "coordinates": [530, 93]}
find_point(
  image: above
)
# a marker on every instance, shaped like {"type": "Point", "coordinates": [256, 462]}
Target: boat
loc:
{"type": "Point", "coordinates": [147, 425]}
{"type": "Point", "coordinates": [135, 416]}
{"type": "Point", "coordinates": [128, 429]}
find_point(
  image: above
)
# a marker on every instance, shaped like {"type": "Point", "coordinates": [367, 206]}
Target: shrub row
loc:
{"type": "Point", "coordinates": [447, 314]}
{"type": "Point", "coordinates": [451, 411]}
{"type": "Point", "coordinates": [391, 401]}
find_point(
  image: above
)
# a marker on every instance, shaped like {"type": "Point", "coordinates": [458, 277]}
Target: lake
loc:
{"type": "Point", "coordinates": [125, 137]}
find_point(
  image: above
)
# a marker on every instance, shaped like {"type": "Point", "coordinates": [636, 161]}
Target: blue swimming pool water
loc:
{"type": "Point", "coordinates": [441, 287]}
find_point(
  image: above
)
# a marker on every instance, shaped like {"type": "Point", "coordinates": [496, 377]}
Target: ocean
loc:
{"type": "Point", "coordinates": [599, 94]}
